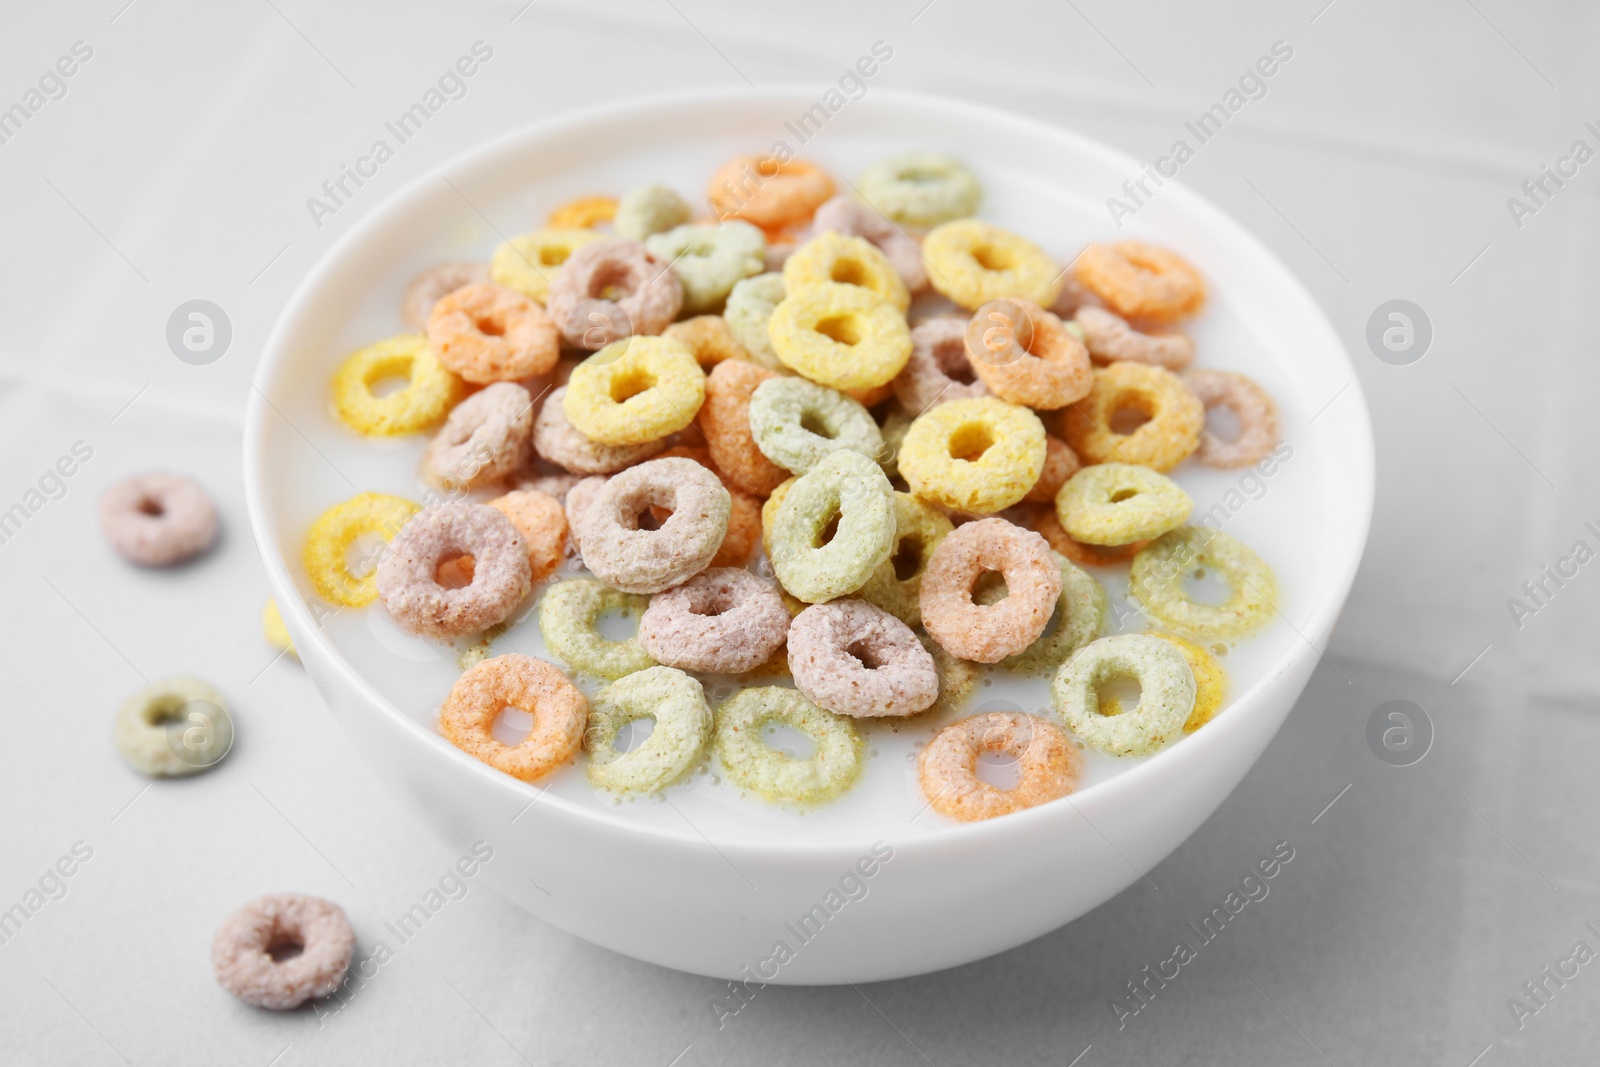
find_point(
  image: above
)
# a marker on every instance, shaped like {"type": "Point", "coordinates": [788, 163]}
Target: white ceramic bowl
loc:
{"type": "Point", "coordinates": [874, 887]}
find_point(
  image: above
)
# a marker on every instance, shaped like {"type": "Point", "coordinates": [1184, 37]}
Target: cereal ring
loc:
{"type": "Point", "coordinates": [938, 369]}
{"type": "Point", "coordinates": [586, 212]}
{"type": "Point", "coordinates": [568, 614]}
{"type": "Point", "coordinates": [847, 488]}
{"type": "Point", "coordinates": [772, 193]}
{"type": "Point", "coordinates": [893, 428]}
{"type": "Point", "coordinates": [543, 525]}
{"type": "Point", "coordinates": [1025, 355]}
{"type": "Point", "coordinates": [749, 310]}
{"type": "Point", "coordinates": [988, 633]}
{"type": "Point", "coordinates": [1060, 463]}
{"type": "Point", "coordinates": [853, 219]}
{"type": "Point", "coordinates": [283, 949]}
{"type": "Point", "coordinates": [273, 629]}
{"type": "Point", "coordinates": [408, 574]}
{"type": "Point", "coordinates": [579, 497]}
{"type": "Point", "coordinates": [675, 746]}
{"type": "Point", "coordinates": [1156, 581]}
{"type": "Point", "coordinates": [833, 257]}
{"type": "Point", "coordinates": [529, 263]}
{"type": "Point", "coordinates": [488, 333]}
{"type": "Point", "coordinates": [1251, 406]}
{"type": "Point", "coordinates": [957, 679]}
{"type": "Point", "coordinates": [530, 685]}
{"type": "Point", "coordinates": [1081, 616]}
{"type": "Point", "coordinates": [852, 658]}
{"type": "Point", "coordinates": [1046, 523]}
{"type": "Point", "coordinates": [426, 289]}
{"type": "Point", "coordinates": [744, 530]}
{"type": "Point", "coordinates": [777, 778]}
{"type": "Point", "coordinates": [1174, 416]}
{"type": "Point", "coordinates": [158, 519]}
{"type": "Point", "coordinates": [1048, 760]}
{"type": "Point", "coordinates": [708, 338]}
{"type": "Point", "coordinates": [1115, 503]}
{"type": "Point", "coordinates": [563, 444]}
{"type": "Point", "coordinates": [769, 513]}
{"type": "Point", "coordinates": [552, 485]}
{"type": "Point", "coordinates": [797, 424]}
{"type": "Point", "coordinates": [650, 209]}
{"type": "Point", "coordinates": [896, 586]}
{"type": "Point", "coordinates": [842, 336]}
{"type": "Point", "coordinates": [647, 561]}
{"type": "Point", "coordinates": [635, 390]}
{"type": "Point", "coordinates": [484, 439]}
{"type": "Point", "coordinates": [1210, 684]}
{"type": "Point", "coordinates": [1110, 339]}
{"type": "Point", "coordinates": [429, 393]}
{"type": "Point", "coordinates": [611, 289]}
{"type": "Point", "coordinates": [1166, 693]}
{"type": "Point", "coordinates": [329, 539]}
{"type": "Point", "coordinates": [724, 419]}
{"type": "Point", "coordinates": [1074, 298]}
{"type": "Point", "coordinates": [710, 260]}
{"type": "Point", "coordinates": [975, 456]}
{"type": "Point", "coordinates": [972, 263]}
{"type": "Point", "coordinates": [174, 727]}
{"type": "Point", "coordinates": [920, 188]}
{"type": "Point", "coordinates": [1140, 281]}
{"type": "Point", "coordinates": [724, 620]}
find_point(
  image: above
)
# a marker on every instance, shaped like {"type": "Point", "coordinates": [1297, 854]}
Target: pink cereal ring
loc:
{"type": "Point", "coordinates": [1060, 463]}
{"type": "Point", "coordinates": [989, 633]}
{"type": "Point", "coordinates": [853, 658]}
{"type": "Point", "coordinates": [611, 289]}
{"type": "Point", "coordinates": [158, 519]}
{"type": "Point", "coordinates": [1109, 338]}
{"type": "Point", "coordinates": [560, 442]}
{"type": "Point", "coordinates": [488, 333]}
{"type": "Point", "coordinates": [484, 439]}
{"type": "Point", "coordinates": [636, 560]}
{"type": "Point", "coordinates": [408, 579]}
{"type": "Point", "coordinates": [254, 957]}
{"type": "Point", "coordinates": [435, 282]}
{"type": "Point", "coordinates": [938, 369]}
{"type": "Point", "coordinates": [852, 218]}
{"type": "Point", "coordinates": [1251, 406]}
{"type": "Point", "coordinates": [725, 620]}
{"type": "Point", "coordinates": [1049, 763]}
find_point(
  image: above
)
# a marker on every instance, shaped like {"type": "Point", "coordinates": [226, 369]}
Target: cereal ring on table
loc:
{"type": "Point", "coordinates": [1045, 522]}
{"type": "Point", "coordinates": [749, 310]}
{"type": "Point", "coordinates": [488, 333]}
{"type": "Point", "coordinates": [938, 369]}
{"type": "Point", "coordinates": [1174, 417]}
{"type": "Point", "coordinates": [1049, 763]}
{"type": "Point", "coordinates": [329, 539]}
{"type": "Point", "coordinates": [853, 219]}
{"type": "Point", "coordinates": [158, 519]}
{"type": "Point", "coordinates": [845, 488]}
{"type": "Point", "coordinates": [724, 620]}
{"type": "Point", "coordinates": [530, 685]}
{"type": "Point", "coordinates": [1116, 503]}
{"type": "Point", "coordinates": [776, 777]}
{"type": "Point", "coordinates": [529, 263]}
{"type": "Point", "coordinates": [484, 439]}
{"type": "Point", "coordinates": [563, 444]}
{"type": "Point", "coordinates": [708, 338]}
{"type": "Point", "coordinates": [428, 395]}
{"type": "Point", "coordinates": [1025, 355]}
{"type": "Point", "coordinates": [988, 633]}
{"type": "Point", "coordinates": [796, 423]}
{"type": "Point", "coordinates": [675, 746]}
{"type": "Point", "coordinates": [833, 257]}
{"type": "Point", "coordinates": [635, 390]}
{"type": "Point", "coordinates": [1110, 339]}
{"type": "Point", "coordinates": [174, 727]}
{"type": "Point", "coordinates": [611, 289]}
{"type": "Point", "coordinates": [1210, 684]}
{"type": "Point", "coordinates": [855, 659]}
{"type": "Point", "coordinates": [273, 629]}
{"type": "Point", "coordinates": [426, 289]}
{"type": "Point", "coordinates": [1166, 693]}
{"type": "Point", "coordinates": [896, 586]}
{"type": "Point", "coordinates": [408, 579]}
{"type": "Point", "coordinates": [650, 209]}
{"type": "Point", "coordinates": [1156, 581]}
{"type": "Point", "coordinates": [710, 260]}
{"type": "Point", "coordinates": [586, 212]}
{"type": "Point", "coordinates": [1141, 281]}
{"type": "Point", "coordinates": [773, 194]}
{"type": "Point", "coordinates": [647, 561]}
{"type": "Point", "coordinates": [1250, 405]}
{"type": "Point", "coordinates": [975, 456]}
{"type": "Point", "coordinates": [920, 188]}
{"type": "Point", "coordinates": [1060, 463]}
{"type": "Point", "coordinates": [724, 419]}
{"type": "Point", "coordinates": [842, 336]}
{"type": "Point", "coordinates": [1081, 616]}
{"type": "Point", "coordinates": [283, 949]}
{"type": "Point", "coordinates": [543, 525]}
{"type": "Point", "coordinates": [568, 614]}
{"type": "Point", "coordinates": [973, 263]}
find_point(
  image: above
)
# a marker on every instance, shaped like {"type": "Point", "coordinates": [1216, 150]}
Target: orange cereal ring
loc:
{"type": "Point", "coordinates": [1174, 415]}
{"type": "Point", "coordinates": [559, 712]}
{"type": "Point", "coordinates": [775, 194]}
{"type": "Point", "coordinates": [1025, 355]}
{"type": "Point", "coordinates": [709, 338]}
{"type": "Point", "coordinates": [724, 418]}
{"type": "Point", "coordinates": [488, 333]}
{"type": "Point", "coordinates": [542, 522]}
{"type": "Point", "coordinates": [584, 213]}
{"type": "Point", "coordinates": [1140, 281]}
{"type": "Point", "coordinates": [1048, 760]}
{"type": "Point", "coordinates": [988, 633]}
{"type": "Point", "coordinates": [1060, 463]}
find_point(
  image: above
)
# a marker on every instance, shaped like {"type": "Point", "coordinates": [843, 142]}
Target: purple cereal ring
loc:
{"type": "Point", "coordinates": [560, 442]}
{"type": "Point", "coordinates": [855, 219]}
{"type": "Point", "coordinates": [1074, 296]}
{"type": "Point", "coordinates": [158, 519]}
{"type": "Point", "coordinates": [556, 485]}
{"type": "Point", "coordinates": [724, 620]}
{"type": "Point", "coordinates": [283, 949]}
{"type": "Point", "coordinates": [636, 560]}
{"type": "Point", "coordinates": [408, 579]}
{"type": "Point", "coordinates": [1251, 406]}
{"type": "Point", "coordinates": [484, 439]}
{"type": "Point", "coordinates": [856, 659]}
{"type": "Point", "coordinates": [938, 369]}
{"type": "Point", "coordinates": [1110, 339]}
{"type": "Point", "coordinates": [577, 502]}
{"type": "Point", "coordinates": [427, 288]}
{"type": "Point", "coordinates": [611, 289]}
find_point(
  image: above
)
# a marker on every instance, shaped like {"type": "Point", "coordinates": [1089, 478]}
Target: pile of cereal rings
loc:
{"type": "Point", "coordinates": [840, 451]}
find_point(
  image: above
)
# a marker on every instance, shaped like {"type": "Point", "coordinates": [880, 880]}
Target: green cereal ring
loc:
{"type": "Point", "coordinates": [1118, 503]}
{"type": "Point", "coordinates": [749, 307]}
{"type": "Point", "coordinates": [650, 209]}
{"type": "Point", "coordinates": [893, 429]}
{"type": "Point", "coordinates": [528, 263]}
{"type": "Point", "coordinates": [976, 456]}
{"type": "Point", "coordinates": [957, 679]}
{"type": "Point", "coordinates": [920, 188]}
{"type": "Point", "coordinates": [710, 260]}
{"type": "Point", "coordinates": [896, 586]}
{"type": "Point", "coordinates": [171, 728]}
{"type": "Point", "coordinates": [1166, 693]}
{"type": "Point", "coordinates": [1156, 581]}
{"type": "Point", "coordinates": [777, 778]}
{"type": "Point", "coordinates": [1080, 617]}
{"type": "Point", "coordinates": [797, 423]}
{"type": "Point", "coordinates": [567, 616]}
{"type": "Point", "coordinates": [674, 748]}
{"type": "Point", "coordinates": [847, 488]}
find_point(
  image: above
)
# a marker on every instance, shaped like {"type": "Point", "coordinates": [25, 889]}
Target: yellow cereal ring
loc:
{"type": "Point", "coordinates": [972, 263]}
{"type": "Point", "coordinates": [708, 338]}
{"type": "Point", "coordinates": [834, 257]}
{"type": "Point", "coordinates": [1210, 682]}
{"type": "Point", "coordinates": [1141, 281]}
{"type": "Point", "coordinates": [529, 263]}
{"type": "Point", "coordinates": [635, 390]}
{"type": "Point", "coordinates": [584, 213]}
{"type": "Point", "coordinates": [977, 456]}
{"type": "Point", "coordinates": [273, 629]}
{"type": "Point", "coordinates": [428, 397]}
{"type": "Point", "coordinates": [841, 336]}
{"type": "Point", "coordinates": [331, 536]}
{"type": "Point", "coordinates": [1175, 418]}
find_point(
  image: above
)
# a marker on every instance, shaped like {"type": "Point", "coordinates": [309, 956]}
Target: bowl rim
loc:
{"type": "Point", "coordinates": [1320, 617]}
